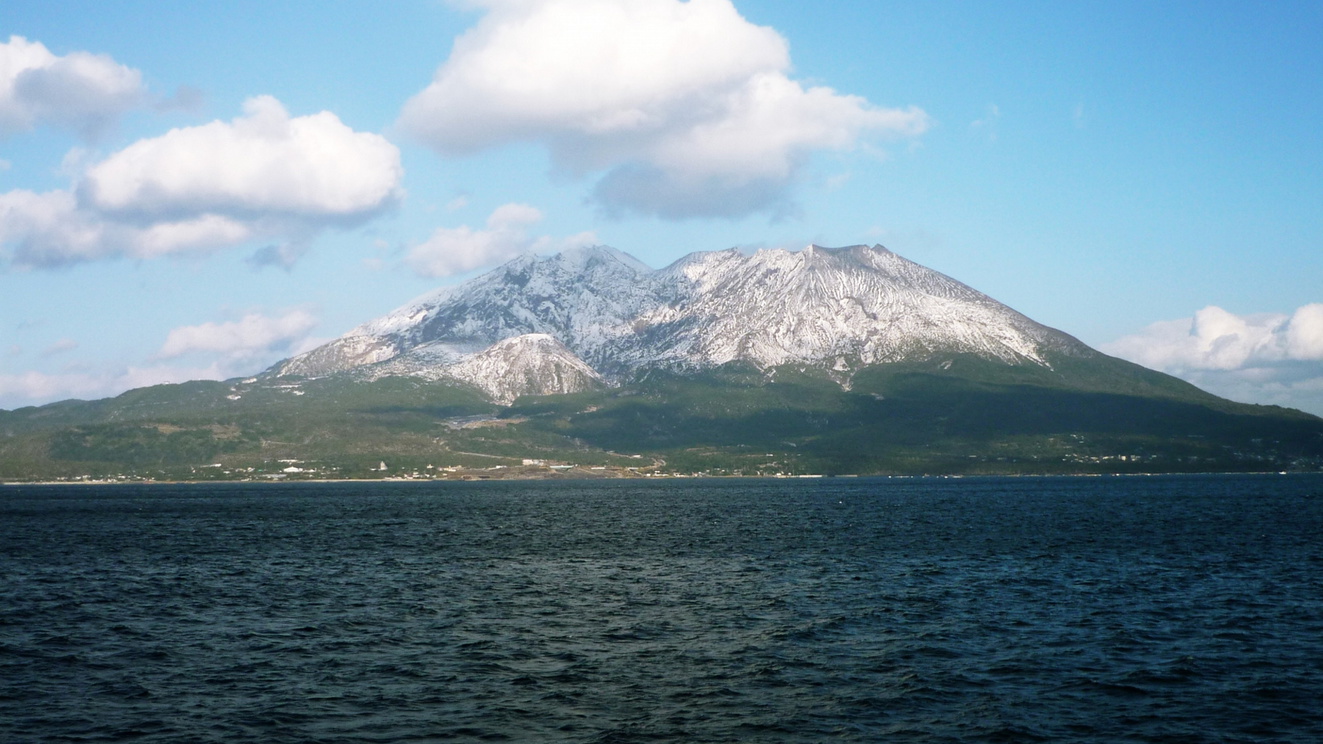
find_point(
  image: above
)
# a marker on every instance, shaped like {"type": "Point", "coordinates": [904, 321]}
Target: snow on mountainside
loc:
{"type": "Point", "coordinates": [584, 297]}
{"type": "Point", "coordinates": [532, 364]}
{"type": "Point", "coordinates": [844, 307]}
{"type": "Point", "coordinates": [840, 308]}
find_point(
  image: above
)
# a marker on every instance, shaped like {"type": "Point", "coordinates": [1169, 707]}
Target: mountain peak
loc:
{"type": "Point", "coordinates": [586, 256]}
{"type": "Point", "coordinates": [839, 308]}
{"type": "Point", "coordinates": [531, 364]}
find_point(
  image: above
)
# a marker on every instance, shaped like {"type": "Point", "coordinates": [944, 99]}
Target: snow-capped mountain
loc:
{"type": "Point", "coordinates": [531, 364]}
{"type": "Point", "coordinates": [844, 307]}
{"type": "Point", "coordinates": [600, 314]}
{"type": "Point", "coordinates": [585, 298]}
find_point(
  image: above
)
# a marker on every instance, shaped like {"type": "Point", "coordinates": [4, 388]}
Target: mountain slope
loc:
{"type": "Point", "coordinates": [850, 360]}
{"type": "Point", "coordinates": [848, 308]}
{"type": "Point", "coordinates": [532, 364]}
{"type": "Point", "coordinates": [584, 298]}
{"type": "Point", "coordinates": [844, 309]}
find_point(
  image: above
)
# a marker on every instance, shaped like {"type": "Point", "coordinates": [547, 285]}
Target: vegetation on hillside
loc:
{"type": "Point", "coordinates": [957, 415]}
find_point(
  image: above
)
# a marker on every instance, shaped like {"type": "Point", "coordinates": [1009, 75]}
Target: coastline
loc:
{"type": "Point", "coordinates": [651, 477]}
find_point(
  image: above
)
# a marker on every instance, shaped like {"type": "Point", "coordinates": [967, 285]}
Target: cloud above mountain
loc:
{"type": "Point", "coordinates": [1266, 358]}
{"type": "Point", "coordinates": [458, 250]}
{"type": "Point", "coordinates": [685, 109]}
{"type": "Point", "coordinates": [33, 387]}
{"type": "Point", "coordinates": [262, 176]}
{"type": "Point", "coordinates": [80, 91]}
{"type": "Point", "coordinates": [262, 163]}
{"type": "Point", "coordinates": [251, 337]}
{"type": "Point", "coordinates": [215, 350]}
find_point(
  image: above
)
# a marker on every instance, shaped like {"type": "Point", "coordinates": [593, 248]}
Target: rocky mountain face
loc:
{"type": "Point", "coordinates": [844, 308]}
{"type": "Point", "coordinates": [847, 360]}
{"type": "Point", "coordinates": [531, 364]}
{"type": "Point", "coordinates": [597, 316]}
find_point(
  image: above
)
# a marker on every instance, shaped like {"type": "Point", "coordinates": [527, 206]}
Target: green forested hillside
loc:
{"type": "Point", "coordinates": [954, 415]}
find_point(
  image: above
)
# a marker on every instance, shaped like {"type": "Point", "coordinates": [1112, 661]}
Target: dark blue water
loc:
{"type": "Point", "coordinates": [1182, 609]}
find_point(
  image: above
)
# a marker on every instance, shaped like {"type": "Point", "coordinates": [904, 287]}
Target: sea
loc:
{"type": "Point", "coordinates": [1104, 609]}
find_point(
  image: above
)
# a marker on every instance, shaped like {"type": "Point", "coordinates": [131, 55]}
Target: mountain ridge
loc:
{"type": "Point", "coordinates": [826, 360]}
{"type": "Point", "coordinates": [845, 308]}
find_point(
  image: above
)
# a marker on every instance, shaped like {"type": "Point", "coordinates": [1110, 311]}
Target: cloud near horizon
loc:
{"type": "Point", "coordinates": [262, 176]}
{"type": "Point", "coordinates": [79, 91]}
{"type": "Point", "coordinates": [684, 107]}
{"type": "Point", "coordinates": [1269, 358]}
{"type": "Point", "coordinates": [39, 388]}
{"type": "Point", "coordinates": [206, 351]}
{"type": "Point", "coordinates": [458, 250]}
{"type": "Point", "coordinates": [253, 336]}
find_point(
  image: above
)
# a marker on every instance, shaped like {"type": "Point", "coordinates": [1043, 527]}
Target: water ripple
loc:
{"type": "Point", "coordinates": [979, 610]}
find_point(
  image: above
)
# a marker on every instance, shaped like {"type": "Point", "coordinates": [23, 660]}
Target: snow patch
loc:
{"type": "Point", "coordinates": [594, 313]}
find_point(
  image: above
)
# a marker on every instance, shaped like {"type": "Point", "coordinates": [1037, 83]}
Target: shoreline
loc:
{"type": "Point", "coordinates": [560, 478]}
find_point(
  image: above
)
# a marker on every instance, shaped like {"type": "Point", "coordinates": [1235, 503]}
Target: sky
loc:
{"type": "Point", "coordinates": [198, 190]}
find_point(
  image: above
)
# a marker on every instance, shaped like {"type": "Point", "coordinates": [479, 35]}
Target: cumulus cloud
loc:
{"type": "Point", "coordinates": [79, 91]}
{"type": "Point", "coordinates": [255, 335]}
{"type": "Point", "coordinates": [37, 388]}
{"type": "Point", "coordinates": [1263, 358]}
{"type": "Point", "coordinates": [685, 107]}
{"type": "Point", "coordinates": [456, 250]}
{"type": "Point", "coordinates": [1215, 339]}
{"type": "Point", "coordinates": [207, 351]}
{"type": "Point", "coordinates": [264, 162]}
{"type": "Point", "coordinates": [52, 229]}
{"type": "Point", "coordinates": [264, 175]}
{"type": "Point", "coordinates": [31, 222]}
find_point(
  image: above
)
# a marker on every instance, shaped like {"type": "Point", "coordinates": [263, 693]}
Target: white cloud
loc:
{"type": "Point", "coordinates": [80, 91]}
{"type": "Point", "coordinates": [1304, 333]}
{"type": "Point", "coordinates": [685, 106]}
{"type": "Point", "coordinates": [207, 351]}
{"type": "Point", "coordinates": [48, 228]}
{"type": "Point", "coordinates": [253, 336]}
{"type": "Point", "coordinates": [1215, 339]}
{"type": "Point", "coordinates": [263, 163]}
{"type": "Point", "coordinates": [458, 250]}
{"type": "Point", "coordinates": [51, 229]}
{"type": "Point", "coordinates": [37, 388]}
{"type": "Point", "coordinates": [201, 232]}
{"type": "Point", "coordinates": [133, 378]}
{"type": "Point", "coordinates": [1261, 358]}
{"type": "Point", "coordinates": [264, 175]}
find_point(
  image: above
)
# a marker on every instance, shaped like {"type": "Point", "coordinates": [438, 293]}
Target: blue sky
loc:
{"type": "Point", "coordinates": [200, 191]}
